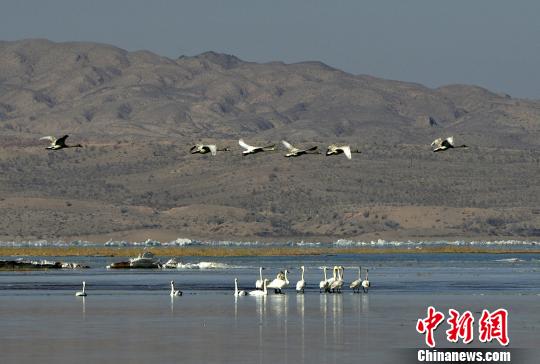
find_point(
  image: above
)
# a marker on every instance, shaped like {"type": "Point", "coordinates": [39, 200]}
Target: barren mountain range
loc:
{"type": "Point", "coordinates": [138, 113]}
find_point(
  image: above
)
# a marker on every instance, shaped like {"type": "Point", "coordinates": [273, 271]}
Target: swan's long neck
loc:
{"type": "Point", "coordinates": [334, 273]}
{"type": "Point", "coordinates": [260, 273]}
{"type": "Point", "coordinates": [172, 287]}
{"type": "Point", "coordinates": [83, 286]}
{"type": "Point", "coordinates": [359, 272]}
{"type": "Point", "coordinates": [286, 280]}
{"type": "Point", "coordinates": [302, 273]}
{"type": "Point", "coordinates": [324, 272]}
{"type": "Point", "coordinates": [367, 274]}
{"type": "Point", "coordinates": [235, 286]}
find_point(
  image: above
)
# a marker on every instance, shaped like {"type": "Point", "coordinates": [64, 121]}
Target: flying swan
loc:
{"type": "Point", "coordinates": [343, 149]}
{"type": "Point", "coordinates": [249, 149]}
{"type": "Point", "coordinates": [441, 144]}
{"type": "Point", "coordinates": [206, 148]}
{"type": "Point", "coordinates": [296, 152]}
{"type": "Point", "coordinates": [59, 143]}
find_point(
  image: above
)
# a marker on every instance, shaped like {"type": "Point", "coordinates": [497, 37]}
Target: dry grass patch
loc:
{"type": "Point", "coordinates": [231, 252]}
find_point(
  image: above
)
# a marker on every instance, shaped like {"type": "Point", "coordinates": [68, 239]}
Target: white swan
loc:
{"type": "Point", "coordinates": [83, 292]}
{"type": "Point", "coordinates": [323, 285]}
{"type": "Point", "coordinates": [259, 282]}
{"type": "Point", "coordinates": [207, 148]}
{"type": "Point", "coordinates": [441, 144]}
{"type": "Point", "coordinates": [59, 143]}
{"type": "Point", "coordinates": [301, 284]}
{"type": "Point", "coordinates": [236, 291]}
{"type": "Point", "coordinates": [331, 280]}
{"type": "Point", "coordinates": [279, 283]}
{"type": "Point", "coordinates": [296, 152]}
{"type": "Point", "coordinates": [258, 292]}
{"type": "Point", "coordinates": [355, 285]}
{"type": "Point", "coordinates": [365, 283]}
{"type": "Point", "coordinates": [334, 149]}
{"type": "Point", "coordinates": [249, 149]}
{"type": "Point", "coordinates": [175, 292]}
{"type": "Point", "coordinates": [338, 282]}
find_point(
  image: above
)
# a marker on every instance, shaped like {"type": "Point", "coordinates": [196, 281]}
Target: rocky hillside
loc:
{"type": "Point", "coordinates": [113, 100]}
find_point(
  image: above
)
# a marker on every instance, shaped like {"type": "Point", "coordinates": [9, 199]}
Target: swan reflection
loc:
{"type": "Point", "coordinates": [365, 303]}
{"type": "Point", "coordinates": [84, 308]}
{"type": "Point", "coordinates": [337, 319]}
{"type": "Point", "coordinates": [323, 307]}
{"type": "Point", "coordinates": [261, 314]}
{"type": "Point", "coordinates": [300, 307]}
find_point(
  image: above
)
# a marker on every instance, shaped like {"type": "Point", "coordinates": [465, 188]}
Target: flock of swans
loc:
{"type": "Point", "coordinates": [333, 284]}
{"type": "Point", "coordinates": [438, 145]}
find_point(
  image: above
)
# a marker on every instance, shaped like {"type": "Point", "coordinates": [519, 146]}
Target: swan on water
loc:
{"type": "Point", "coordinates": [236, 291]}
{"type": "Point", "coordinates": [258, 292]}
{"type": "Point", "coordinates": [259, 282]}
{"type": "Point", "coordinates": [332, 279]}
{"type": "Point", "coordinates": [280, 282]}
{"type": "Point", "coordinates": [338, 282]}
{"type": "Point", "coordinates": [296, 152]}
{"type": "Point", "coordinates": [175, 292]}
{"type": "Point", "coordinates": [206, 148]}
{"type": "Point", "coordinates": [323, 285]}
{"type": "Point", "coordinates": [343, 149]}
{"type": "Point", "coordinates": [83, 292]}
{"type": "Point", "coordinates": [441, 144]}
{"type": "Point", "coordinates": [249, 149]}
{"type": "Point", "coordinates": [355, 285]}
{"type": "Point", "coordinates": [365, 283]}
{"type": "Point", "coordinates": [59, 143]}
{"type": "Point", "coordinates": [301, 284]}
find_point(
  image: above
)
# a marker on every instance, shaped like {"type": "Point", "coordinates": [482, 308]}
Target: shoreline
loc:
{"type": "Point", "coordinates": [241, 251]}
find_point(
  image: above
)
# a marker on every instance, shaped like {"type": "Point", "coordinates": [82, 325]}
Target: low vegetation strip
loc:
{"type": "Point", "coordinates": [230, 251]}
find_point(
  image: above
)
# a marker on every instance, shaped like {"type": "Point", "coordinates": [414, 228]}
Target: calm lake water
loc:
{"type": "Point", "coordinates": [129, 315]}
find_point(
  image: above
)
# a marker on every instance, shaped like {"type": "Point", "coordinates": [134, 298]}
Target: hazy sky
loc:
{"type": "Point", "coordinates": [492, 43]}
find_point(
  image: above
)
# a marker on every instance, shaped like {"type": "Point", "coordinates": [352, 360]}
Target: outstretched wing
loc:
{"type": "Point", "coordinates": [49, 138]}
{"type": "Point", "coordinates": [287, 145]}
{"type": "Point", "coordinates": [437, 142]}
{"type": "Point", "coordinates": [450, 140]}
{"type": "Point", "coordinates": [347, 151]}
{"type": "Point", "coordinates": [62, 140]}
{"type": "Point", "coordinates": [212, 148]}
{"type": "Point", "coordinates": [244, 145]}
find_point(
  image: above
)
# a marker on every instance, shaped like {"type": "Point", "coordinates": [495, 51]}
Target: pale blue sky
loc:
{"type": "Point", "coordinates": [492, 43]}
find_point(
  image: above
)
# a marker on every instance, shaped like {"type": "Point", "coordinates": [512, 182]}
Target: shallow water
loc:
{"type": "Point", "coordinates": [389, 273]}
{"type": "Point", "coordinates": [129, 316]}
